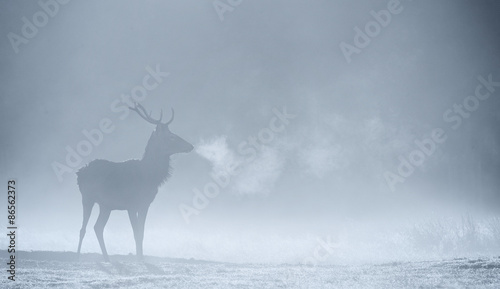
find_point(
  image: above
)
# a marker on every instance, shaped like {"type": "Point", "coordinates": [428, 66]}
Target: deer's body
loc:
{"type": "Point", "coordinates": [131, 185]}
{"type": "Point", "coordinates": [115, 185]}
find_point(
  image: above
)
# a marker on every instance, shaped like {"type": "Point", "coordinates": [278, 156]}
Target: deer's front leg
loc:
{"type": "Point", "coordinates": [134, 221]}
{"type": "Point", "coordinates": [132, 215]}
{"type": "Point", "coordinates": [141, 220]}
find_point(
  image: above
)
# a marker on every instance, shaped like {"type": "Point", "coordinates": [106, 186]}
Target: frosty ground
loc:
{"type": "Point", "coordinates": [63, 270]}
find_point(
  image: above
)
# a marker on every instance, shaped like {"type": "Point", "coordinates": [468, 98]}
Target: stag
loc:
{"type": "Point", "coordinates": [131, 185]}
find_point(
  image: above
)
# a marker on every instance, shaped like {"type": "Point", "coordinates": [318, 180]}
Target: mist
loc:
{"type": "Point", "coordinates": [307, 124]}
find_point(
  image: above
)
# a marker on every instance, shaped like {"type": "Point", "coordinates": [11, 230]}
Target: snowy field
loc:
{"type": "Point", "coordinates": [61, 270]}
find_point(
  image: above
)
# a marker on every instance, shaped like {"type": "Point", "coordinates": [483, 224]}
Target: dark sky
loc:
{"type": "Point", "coordinates": [353, 120]}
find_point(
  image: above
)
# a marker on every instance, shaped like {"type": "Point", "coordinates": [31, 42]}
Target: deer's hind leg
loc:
{"type": "Point", "coordinates": [99, 229]}
{"type": "Point", "coordinates": [87, 210]}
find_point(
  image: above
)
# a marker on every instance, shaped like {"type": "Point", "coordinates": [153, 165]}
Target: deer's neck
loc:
{"type": "Point", "coordinates": [155, 168]}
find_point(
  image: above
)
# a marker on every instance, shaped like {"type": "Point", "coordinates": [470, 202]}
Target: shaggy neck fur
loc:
{"type": "Point", "coordinates": [155, 164]}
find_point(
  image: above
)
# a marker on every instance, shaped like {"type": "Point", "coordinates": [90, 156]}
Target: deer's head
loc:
{"type": "Point", "coordinates": [163, 142]}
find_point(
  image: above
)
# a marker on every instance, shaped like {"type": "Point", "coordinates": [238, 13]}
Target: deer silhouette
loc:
{"type": "Point", "coordinates": [131, 185]}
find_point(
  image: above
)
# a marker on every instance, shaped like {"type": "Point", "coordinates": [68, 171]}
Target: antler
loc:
{"type": "Point", "coordinates": [141, 111]}
{"type": "Point", "coordinates": [172, 118]}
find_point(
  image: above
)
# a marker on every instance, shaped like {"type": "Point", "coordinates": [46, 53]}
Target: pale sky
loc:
{"type": "Point", "coordinates": [229, 71]}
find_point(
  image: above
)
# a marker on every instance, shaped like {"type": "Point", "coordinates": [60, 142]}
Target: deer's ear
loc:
{"type": "Point", "coordinates": [164, 127]}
